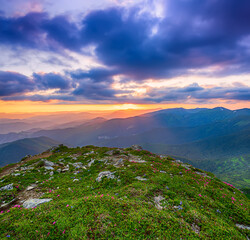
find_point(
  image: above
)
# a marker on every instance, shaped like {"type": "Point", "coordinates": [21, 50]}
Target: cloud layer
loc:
{"type": "Point", "coordinates": [137, 45]}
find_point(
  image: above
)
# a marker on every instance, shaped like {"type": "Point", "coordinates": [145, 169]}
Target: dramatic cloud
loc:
{"type": "Point", "coordinates": [132, 44]}
{"type": "Point", "coordinates": [12, 83]}
{"type": "Point", "coordinates": [51, 80]}
{"type": "Point", "coordinates": [192, 34]}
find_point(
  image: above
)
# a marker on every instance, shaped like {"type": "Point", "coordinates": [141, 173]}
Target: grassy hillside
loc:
{"type": "Point", "coordinates": [14, 151]}
{"type": "Point", "coordinates": [226, 156]}
{"type": "Point", "coordinates": [143, 196]}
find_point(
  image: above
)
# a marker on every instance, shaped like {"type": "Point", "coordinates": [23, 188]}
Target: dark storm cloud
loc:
{"type": "Point", "coordinates": [193, 34]}
{"type": "Point", "coordinates": [12, 83]}
{"type": "Point", "coordinates": [52, 81]}
{"type": "Point", "coordinates": [95, 74]}
{"type": "Point", "coordinates": [95, 84]}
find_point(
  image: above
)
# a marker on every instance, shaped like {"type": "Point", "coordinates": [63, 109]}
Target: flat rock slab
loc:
{"type": "Point", "coordinates": [49, 168]}
{"type": "Point", "coordinates": [141, 179]}
{"type": "Point", "coordinates": [31, 187]}
{"type": "Point", "coordinates": [242, 226]}
{"type": "Point", "coordinates": [31, 203]}
{"type": "Point", "coordinates": [7, 187]}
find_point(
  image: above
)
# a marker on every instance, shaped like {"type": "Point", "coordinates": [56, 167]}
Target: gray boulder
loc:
{"type": "Point", "coordinates": [31, 203]}
{"type": "Point", "coordinates": [48, 163]}
{"type": "Point", "coordinates": [141, 179]}
{"type": "Point", "coordinates": [7, 187]}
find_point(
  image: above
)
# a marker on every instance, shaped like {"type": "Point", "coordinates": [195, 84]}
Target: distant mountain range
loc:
{"type": "Point", "coordinates": [15, 151]}
{"type": "Point", "coordinates": [207, 138]}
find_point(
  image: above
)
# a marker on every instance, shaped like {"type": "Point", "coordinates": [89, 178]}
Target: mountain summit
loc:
{"type": "Point", "coordinates": [113, 193]}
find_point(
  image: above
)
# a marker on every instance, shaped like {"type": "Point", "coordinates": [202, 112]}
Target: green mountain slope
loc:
{"type": "Point", "coordinates": [103, 193]}
{"type": "Point", "coordinates": [14, 151]}
{"type": "Point", "coordinates": [226, 156]}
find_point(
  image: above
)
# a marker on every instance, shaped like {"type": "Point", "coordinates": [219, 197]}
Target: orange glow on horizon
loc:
{"type": "Point", "coordinates": [49, 107]}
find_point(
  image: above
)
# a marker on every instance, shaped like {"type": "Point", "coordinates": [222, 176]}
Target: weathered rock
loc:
{"type": "Point", "coordinates": [138, 160]}
{"type": "Point", "coordinates": [177, 161]}
{"type": "Point", "coordinates": [202, 174]}
{"type": "Point", "coordinates": [196, 228]}
{"type": "Point", "coordinates": [91, 162]}
{"type": "Point", "coordinates": [242, 226]}
{"type": "Point", "coordinates": [31, 187]}
{"type": "Point", "coordinates": [51, 173]}
{"type": "Point", "coordinates": [8, 204]}
{"type": "Point", "coordinates": [77, 165]}
{"type": "Point", "coordinates": [110, 152]}
{"type": "Point", "coordinates": [49, 168]}
{"type": "Point", "coordinates": [157, 201]}
{"type": "Point", "coordinates": [26, 168]}
{"type": "Point", "coordinates": [141, 179]}
{"type": "Point", "coordinates": [107, 174]}
{"type": "Point", "coordinates": [16, 174]}
{"type": "Point", "coordinates": [162, 171]}
{"type": "Point", "coordinates": [48, 163]}
{"type": "Point", "coordinates": [76, 180]}
{"type": "Point", "coordinates": [186, 166]}
{"type": "Point", "coordinates": [31, 203]}
{"type": "Point", "coordinates": [7, 187]}
{"type": "Point", "coordinates": [118, 163]}
{"type": "Point", "coordinates": [65, 169]}
{"type": "Point", "coordinates": [136, 147]}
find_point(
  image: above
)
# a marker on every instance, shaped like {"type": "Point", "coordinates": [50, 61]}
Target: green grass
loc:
{"type": "Point", "coordinates": [124, 209]}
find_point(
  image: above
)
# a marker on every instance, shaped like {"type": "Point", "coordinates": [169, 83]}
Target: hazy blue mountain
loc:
{"type": "Point", "coordinates": [15, 151]}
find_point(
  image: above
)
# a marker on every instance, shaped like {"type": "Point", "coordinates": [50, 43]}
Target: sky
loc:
{"type": "Point", "coordinates": [118, 54]}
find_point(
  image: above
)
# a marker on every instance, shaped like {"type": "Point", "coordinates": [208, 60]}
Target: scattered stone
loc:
{"type": "Point", "coordinates": [177, 161]}
{"type": "Point", "coordinates": [91, 162]}
{"type": "Point", "coordinates": [78, 165]}
{"type": "Point", "coordinates": [7, 187]}
{"type": "Point", "coordinates": [32, 186]}
{"type": "Point", "coordinates": [241, 226]}
{"type": "Point", "coordinates": [141, 179]}
{"type": "Point", "coordinates": [118, 163]}
{"type": "Point", "coordinates": [49, 168]}
{"type": "Point", "coordinates": [65, 169]}
{"type": "Point", "coordinates": [136, 147]}
{"type": "Point", "coordinates": [138, 160]}
{"type": "Point", "coordinates": [162, 171]}
{"type": "Point", "coordinates": [107, 174]}
{"type": "Point", "coordinates": [26, 168]}
{"type": "Point", "coordinates": [7, 205]}
{"type": "Point", "coordinates": [75, 180]}
{"type": "Point", "coordinates": [59, 170]}
{"type": "Point", "coordinates": [16, 174]}
{"type": "Point", "coordinates": [110, 152]}
{"type": "Point", "coordinates": [202, 174]}
{"type": "Point", "coordinates": [48, 163]}
{"type": "Point", "coordinates": [31, 203]}
{"type": "Point", "coordinates": [51, 173]}
{"type": "Point", "coordinates": [186, 166]}
{"type": "Point", "coordinates": [157, 201]}
{"type": "Point", "coordinates": [195, 228]}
